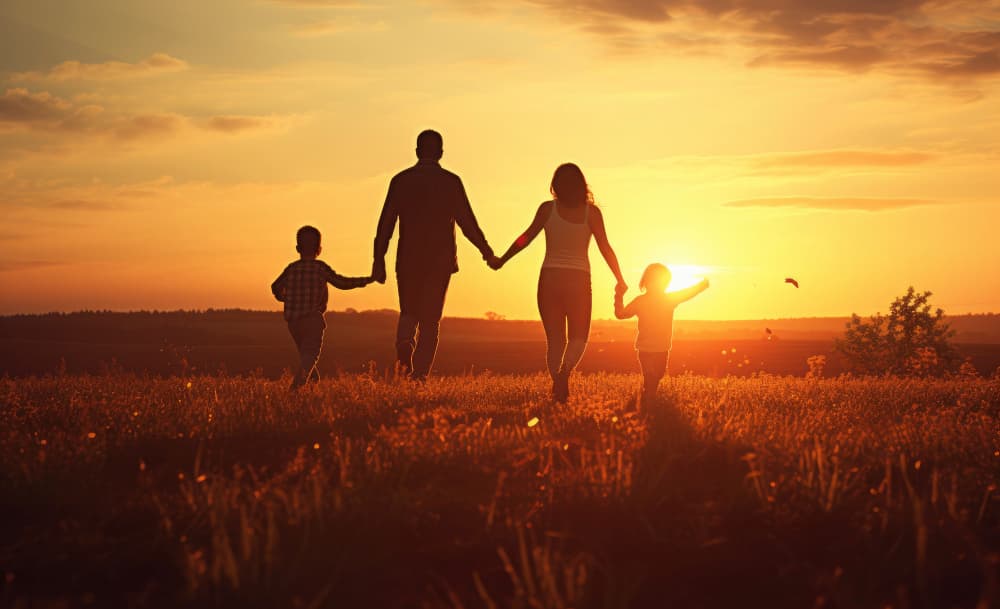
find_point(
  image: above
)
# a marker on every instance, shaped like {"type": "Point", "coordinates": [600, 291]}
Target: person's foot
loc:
{"type": "Point", "coordinates": [560, 388]}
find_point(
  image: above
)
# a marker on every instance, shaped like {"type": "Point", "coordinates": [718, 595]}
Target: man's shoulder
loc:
{"type": "Point", "coordinates": [449, 174]}
{"type": "Point", "coordinates": [421, 169]}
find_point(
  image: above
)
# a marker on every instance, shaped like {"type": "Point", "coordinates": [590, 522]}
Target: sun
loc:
{"type": "Point", "coordinates": [686, 275]}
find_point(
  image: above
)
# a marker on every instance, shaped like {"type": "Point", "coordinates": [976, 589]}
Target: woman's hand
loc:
{"type": "Point", "coordinates": [621, 288]}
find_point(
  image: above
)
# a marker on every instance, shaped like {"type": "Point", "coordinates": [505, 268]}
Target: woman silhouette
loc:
{"type": "Point", "coordinates": [564, 297]}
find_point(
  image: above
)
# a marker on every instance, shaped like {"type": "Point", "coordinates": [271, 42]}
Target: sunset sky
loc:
{"type": "Point", "coordinates": [161, 155]}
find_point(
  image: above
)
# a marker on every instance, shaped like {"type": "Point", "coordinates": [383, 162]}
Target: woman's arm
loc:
{"type": "Point", "coordinates": [622, 311]}
{"type": "Point", "coordinates": [529, 235]}
{"type": "Point", "coordinates": [596, 220]}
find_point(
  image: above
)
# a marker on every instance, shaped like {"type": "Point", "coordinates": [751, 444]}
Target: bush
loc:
{"type": "Point", "coordinates": [910, 341]}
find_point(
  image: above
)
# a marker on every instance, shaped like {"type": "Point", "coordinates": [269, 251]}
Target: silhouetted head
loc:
{"type": "Point", "coordinates": [430, 145]}
{"type": "Point", "coordinates": [655, 278]}
{"type": "Point", "coordinates": [570, 187]}
{"type": "Point", "coordinates": [307, 242]}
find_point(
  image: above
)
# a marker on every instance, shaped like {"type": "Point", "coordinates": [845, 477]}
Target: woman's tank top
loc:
{"type": "Point", "coordinates": [566, 243]}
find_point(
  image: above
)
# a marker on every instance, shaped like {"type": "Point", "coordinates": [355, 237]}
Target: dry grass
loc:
{"type": "Point", "coordinates": [764, 491]}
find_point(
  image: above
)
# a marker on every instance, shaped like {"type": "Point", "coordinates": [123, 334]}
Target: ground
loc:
{"type": "Point", "coordinates": [364, 491]}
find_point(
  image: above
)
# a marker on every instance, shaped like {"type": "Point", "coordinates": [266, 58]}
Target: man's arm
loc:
{"type": "Point", "coordinates": [278, 287]}
{"type": "Point", "coordinates": [345, 283]}
{"type": "Point", "coordinates": [466, 221]}
{"type": "Point", "coordinates": [386, 226]}
{"type": "Point", "coordinates": [688, 293]}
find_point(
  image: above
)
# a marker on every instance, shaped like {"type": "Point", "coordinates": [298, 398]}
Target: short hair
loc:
{"type": "Point", "coordinates": [429, 144]}
{"type": "Point", "coordinates": [307, 240]}
{"type": "Point", "coordinates": [652, 273]}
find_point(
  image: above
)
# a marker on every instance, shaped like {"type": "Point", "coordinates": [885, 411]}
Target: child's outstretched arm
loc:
{"type": "Point", "coordinates": [688, 293]}
{"type": "Point", "coordinates": [527, 236]}
{"type": "Point", "coordinates": [346, 283]}
{"type": "Point", "coordinates": [622, 311]}
{"type": "Point", "coordinates": [278, 287]}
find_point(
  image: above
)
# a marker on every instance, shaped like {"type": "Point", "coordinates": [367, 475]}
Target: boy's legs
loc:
{"type": "Point", "coordinates": [654, 366]}
{"type": "Point", "coordinates": [307, 332]}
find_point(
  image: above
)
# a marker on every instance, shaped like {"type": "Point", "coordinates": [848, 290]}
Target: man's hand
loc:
{"type": "Point", "coordinates": [621, 288]}
{"type": "Point", "coordinates": [378, 271]}
{"type": "Point", "coordinates": [494, 262]}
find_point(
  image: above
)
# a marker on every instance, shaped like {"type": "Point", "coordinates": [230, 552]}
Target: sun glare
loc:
{"type": "Point", "coordinates": [686, 275]}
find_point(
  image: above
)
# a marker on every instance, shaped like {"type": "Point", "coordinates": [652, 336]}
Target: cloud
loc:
{"type": "Point", "coordinates": [339, 26]}
{"type": "Point", "coordinates": [926, 38]}
{"type": "Point", "coordinates": [833, 203]}
{"type": "Point", "coordinates": [81, 205]}
{"type": "Point", "coordinates": [322, 3]}
{"type": "Point", "coordinates": [157, 63]}
{"type": "Point", "coordinates": [237, 124]}
{"type": "Point", "coordinates": [823, 159]}
{"type": "Point", "coordinates": [9, 266]}
{"type": "Point", "coordinates": [22, 106]}
{"type": "Point", "coordinates": [148, 125]}
{"type": "Point", "coordinates": [21, 109]}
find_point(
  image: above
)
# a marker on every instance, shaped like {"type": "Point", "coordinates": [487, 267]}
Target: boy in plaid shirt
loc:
{"type": "Point", "coordinates": [302, 287]}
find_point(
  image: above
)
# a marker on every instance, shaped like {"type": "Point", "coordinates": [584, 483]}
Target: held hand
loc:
{"type": "Point", "coordinates": [378, 271]}
{"type": "Point", "coordinates": [621, 288]}
{"type": "Point", "coordinates": [494, 262]}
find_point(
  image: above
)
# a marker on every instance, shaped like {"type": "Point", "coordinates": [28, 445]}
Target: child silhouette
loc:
{"type": "Point", "coordinates": [302, 289]}
{"type": "Point", "coordinates": [655, 310]}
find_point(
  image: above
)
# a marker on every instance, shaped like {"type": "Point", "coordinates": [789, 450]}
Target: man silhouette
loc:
{"type": "Point", "coordinates": [428, 201]}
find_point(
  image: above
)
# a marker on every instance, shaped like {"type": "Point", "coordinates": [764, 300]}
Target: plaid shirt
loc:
{"type": "Point", "coordinates": [302, 287]}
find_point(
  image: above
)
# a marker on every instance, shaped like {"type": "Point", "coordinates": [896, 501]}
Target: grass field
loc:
{"type": "Point", "coordinates": [766, 491]}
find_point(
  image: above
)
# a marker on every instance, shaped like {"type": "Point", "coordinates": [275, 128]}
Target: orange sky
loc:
{"type": "Point", "coordinates": [162, 155]}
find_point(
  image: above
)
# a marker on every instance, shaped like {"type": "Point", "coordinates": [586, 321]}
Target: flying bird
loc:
{"type": "Point", "coordinates": [768, 330]}
{"type": "Point", "coordinates": [791, 281]}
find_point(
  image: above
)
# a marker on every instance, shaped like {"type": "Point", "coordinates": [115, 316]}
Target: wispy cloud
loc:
{"type": "Point", "coordinates": [8, 266]}
{"type": "Point", "coordinates": [937, 39]}
{"type": "Point", "coordinates": [149, 125]}
{"type": "Point", "coordinates": [322, 3]}
{"type": "Point", "coordinates": [331, 27]}
{"type": "Point", "coordinates": [839, 159]}
{"type": "Point", "coordinates": [22, 106]}
{"type": "Point", "coordinates": [82, 205]}
{"type": "Point", "coordinates": [834, 203]}
{"type": "Point", "coordinates": [238, 124]}
{"type": "Point", "coordinates": [21, 109]}
{"type": "Point", "coordinates": [157, 63]}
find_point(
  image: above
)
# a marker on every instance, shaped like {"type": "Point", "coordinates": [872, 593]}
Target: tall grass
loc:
{"type": "Point", "coordinates": [362, 491]}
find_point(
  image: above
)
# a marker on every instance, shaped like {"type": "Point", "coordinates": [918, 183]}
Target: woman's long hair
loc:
{"type": "Point", "coordinates": [570, 187]}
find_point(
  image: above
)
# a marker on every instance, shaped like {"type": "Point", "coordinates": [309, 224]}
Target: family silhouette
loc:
{"type": "Point", "coordinates": [427, 201]}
